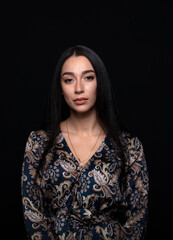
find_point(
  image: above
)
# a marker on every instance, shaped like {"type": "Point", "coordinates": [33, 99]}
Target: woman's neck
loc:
{"type": "Point", "coordinates": [83, 124]}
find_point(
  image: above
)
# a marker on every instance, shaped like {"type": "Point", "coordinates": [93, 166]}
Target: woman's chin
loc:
{"type": "Point", "coordinates": [82, 110]}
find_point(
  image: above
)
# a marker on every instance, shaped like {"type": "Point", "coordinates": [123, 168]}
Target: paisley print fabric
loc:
{"type": "Point", "coordinates": [71, 201]}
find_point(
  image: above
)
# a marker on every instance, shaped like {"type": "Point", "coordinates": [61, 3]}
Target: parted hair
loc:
{"type": "Point", "coordinates": [107, 113]}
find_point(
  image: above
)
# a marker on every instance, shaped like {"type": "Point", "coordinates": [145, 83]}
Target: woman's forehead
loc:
{"type": "Point", "coordinates": [77, 64]}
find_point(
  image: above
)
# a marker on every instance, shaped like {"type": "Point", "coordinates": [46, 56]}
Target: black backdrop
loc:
{"type": "Point", "coordinates": [134, 38]}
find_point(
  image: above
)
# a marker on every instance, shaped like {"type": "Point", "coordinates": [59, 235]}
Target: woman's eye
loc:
{"type": "Point", "coordinates": [89, 77]}
{"type": "Point", "coordinates": [68, 80]}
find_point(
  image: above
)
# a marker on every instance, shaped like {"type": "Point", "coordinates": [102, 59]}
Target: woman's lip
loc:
{"type": "Point", "coordinates": [80, 101]}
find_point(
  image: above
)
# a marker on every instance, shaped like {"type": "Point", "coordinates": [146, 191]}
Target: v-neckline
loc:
{"type": "Point", "coordinates": [72, 154]}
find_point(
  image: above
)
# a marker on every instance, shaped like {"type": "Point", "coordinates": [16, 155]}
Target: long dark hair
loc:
{"type": "Point", "coordinates": [57, 109]}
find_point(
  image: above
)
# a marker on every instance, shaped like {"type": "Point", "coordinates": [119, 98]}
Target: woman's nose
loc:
{"type": "Point", "coordinates": [79, 87]}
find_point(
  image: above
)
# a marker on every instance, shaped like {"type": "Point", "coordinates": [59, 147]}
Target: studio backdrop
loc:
{"type": "Point", "coordinates": [134, 39]}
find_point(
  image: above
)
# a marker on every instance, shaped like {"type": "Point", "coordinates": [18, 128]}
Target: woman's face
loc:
{"type": "Point", "coordinates": [79, 84]}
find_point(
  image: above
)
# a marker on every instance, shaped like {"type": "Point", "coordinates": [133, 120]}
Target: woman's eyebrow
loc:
{"type": "Point", "coordinates": [72, 74]}
{"type": "Point", "coordinates": [67, 73]}
{"type": "Point", "coordinates": [87, 71]}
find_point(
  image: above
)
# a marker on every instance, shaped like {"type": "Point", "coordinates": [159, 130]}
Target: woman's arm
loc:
{"type": "Point", "coordinates": [37, 224]}
{"type": "Point", "coordinates": [136, 194]}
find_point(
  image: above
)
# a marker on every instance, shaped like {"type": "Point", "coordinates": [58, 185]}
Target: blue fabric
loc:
{"type": "Point", "coordinates": [72, 201]}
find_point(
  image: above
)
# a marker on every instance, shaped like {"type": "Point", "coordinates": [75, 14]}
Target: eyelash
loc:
{"type": "Point", "coordinates": [69, 80]}
{"type": "Point", "coordinates": [90, 77]}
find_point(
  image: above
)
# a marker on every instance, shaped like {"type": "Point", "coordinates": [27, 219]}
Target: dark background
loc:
{"type": "Point", "coordinates": [134, 39]}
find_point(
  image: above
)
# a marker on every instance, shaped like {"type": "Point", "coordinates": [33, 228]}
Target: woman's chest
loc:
{"type": "Point", "coordinates": [83, 148]}
{"type": "Point", "coordinates": [96, 181]}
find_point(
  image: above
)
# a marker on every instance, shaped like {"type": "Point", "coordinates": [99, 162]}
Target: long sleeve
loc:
{"type": "Point", "coordinates": [37, 224]}
{"type": "Point", "coordinates": [92, 207]}
{"type": "Point", "coordinates": [136, 194]}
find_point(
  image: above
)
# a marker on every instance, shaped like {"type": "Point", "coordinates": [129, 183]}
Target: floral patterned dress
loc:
{"type": "Point", "coordinates": [72, 201]}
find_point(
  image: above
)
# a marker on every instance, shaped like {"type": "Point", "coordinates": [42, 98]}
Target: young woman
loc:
{"type": "Point", "coordinates": [84, 175]}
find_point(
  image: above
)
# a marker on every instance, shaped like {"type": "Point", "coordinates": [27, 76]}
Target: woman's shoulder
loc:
{"type": "Point", "coordinates": [38, 134]}
{"type": "Point", "coordinates": [128, 137]}
{"type": "Point", "coordinates": [36, 140]}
